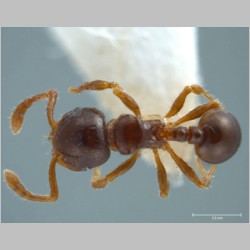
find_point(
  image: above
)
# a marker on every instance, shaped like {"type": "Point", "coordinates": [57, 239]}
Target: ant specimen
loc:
{"type": "Point", "coordinates": [82, 139]}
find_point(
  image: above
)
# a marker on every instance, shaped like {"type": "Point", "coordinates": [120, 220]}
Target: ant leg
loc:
{"type": "Point", "coordinates": [188, 171]}
{"type": "Point", "coordinates": [162, 175]}
{"type": "Point", "coordinates": [127, 100]}
{"type": "Point", "coordinates": [15, 184]}
{"type": "Point", "coordinates": [206, 175]}
{"type": "Point", "coordinates": [196, 113]}
{"type": "Point", "coordinates": [179, 101]}
{"type": "Point", "coordinates": [17, 117]}
{"type": "Point", "coordinates": [98, 182]}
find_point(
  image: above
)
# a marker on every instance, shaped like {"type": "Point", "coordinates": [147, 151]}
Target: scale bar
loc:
{"type": "Point", "coordinates": [223, 215]}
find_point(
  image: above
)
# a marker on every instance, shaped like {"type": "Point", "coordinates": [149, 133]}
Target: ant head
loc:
{"type": "Point", "coordinates": [222, 136]}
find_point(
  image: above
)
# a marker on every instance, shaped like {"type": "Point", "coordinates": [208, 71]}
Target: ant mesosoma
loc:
{"type": "Point", "coordinates": [82, 139]}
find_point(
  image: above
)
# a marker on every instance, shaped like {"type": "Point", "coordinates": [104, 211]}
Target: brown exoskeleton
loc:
{"type": "Point", "coordinates": [82, 139]}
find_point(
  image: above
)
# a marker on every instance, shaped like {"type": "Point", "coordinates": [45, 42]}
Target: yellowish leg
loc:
{"type": "Point", "coordinates": [180, 100]}
{"type": "Point", "coordinates": [17, 117]}
{"type": "Point", "coordinates": [15, 184]}
{"type": "Point", "coordinates": [207, 176]}
{"type": "Point", "coordinates": [162, 175]}
{"type": "Point", "coordinates": [196, 113]}
{"type": "Point", "coordinates": [188, 171]}
{"type": "Point", "coordinates": [128, 101]}
{"type": "Point", "coordinates": [99, 182]}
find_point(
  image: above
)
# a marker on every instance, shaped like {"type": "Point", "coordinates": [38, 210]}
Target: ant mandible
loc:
{"type": "Point", "coordinates": [82, 139]}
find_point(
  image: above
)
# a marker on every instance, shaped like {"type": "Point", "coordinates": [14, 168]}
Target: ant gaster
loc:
{"type": "Point", "coordinates": [82, 139]}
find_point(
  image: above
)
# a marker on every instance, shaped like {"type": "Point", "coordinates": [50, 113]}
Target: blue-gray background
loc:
{"type": "Point", "coordinates": [33, 63]}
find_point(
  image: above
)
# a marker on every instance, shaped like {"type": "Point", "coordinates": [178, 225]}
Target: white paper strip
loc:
{"type": "Point", "coordinates": [152, 64]}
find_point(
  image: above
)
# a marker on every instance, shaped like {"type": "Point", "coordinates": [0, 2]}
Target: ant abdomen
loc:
{"type": "Point", "coordinates": [222, 136]}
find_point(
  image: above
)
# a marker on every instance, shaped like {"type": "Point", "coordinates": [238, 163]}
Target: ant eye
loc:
{"type": "Point", "coordinates": [222, 136]}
